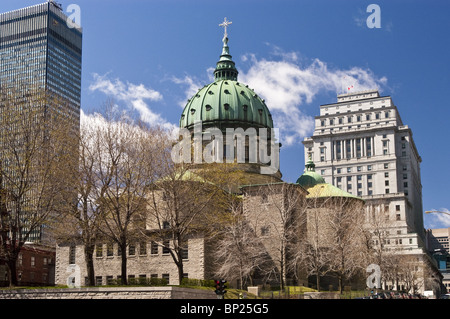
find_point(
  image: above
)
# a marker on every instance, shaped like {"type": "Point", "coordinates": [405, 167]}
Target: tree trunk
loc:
{"type": "Point", "coordinates": [180, 270]}
{"type": "Point", "coordinates": [124, 264]}
{"type": "Point", "coordinates": [12, 272]}
{"type": "Point", "coordinates": [318, 281]}
{"type": "Point", "coordinates": [89, 257]}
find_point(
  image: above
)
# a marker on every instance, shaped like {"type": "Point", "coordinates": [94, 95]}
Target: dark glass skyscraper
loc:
{"type": "Point", "coordinates": [40, 52]}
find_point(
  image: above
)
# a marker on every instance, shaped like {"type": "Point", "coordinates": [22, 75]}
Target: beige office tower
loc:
{"type": "Point", "coordinates": [361, 145]}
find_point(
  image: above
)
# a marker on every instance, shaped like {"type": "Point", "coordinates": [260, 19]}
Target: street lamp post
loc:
{"type": "Point", "coordinates": [436, 211]}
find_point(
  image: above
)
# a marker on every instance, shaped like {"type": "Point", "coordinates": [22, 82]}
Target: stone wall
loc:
{"type": "Point", "coordinates": [109, 293]}
{"type": "Point", "coordinates": [138, 265]}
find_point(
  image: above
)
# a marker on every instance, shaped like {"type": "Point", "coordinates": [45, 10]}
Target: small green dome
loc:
{"type": "Point", "coordinates": [310, 177]}
{"type": "Point", "coordinates": [226, 102]}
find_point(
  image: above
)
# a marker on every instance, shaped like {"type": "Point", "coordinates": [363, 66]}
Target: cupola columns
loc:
{"type": "Point", "coordinates": [225, 68]}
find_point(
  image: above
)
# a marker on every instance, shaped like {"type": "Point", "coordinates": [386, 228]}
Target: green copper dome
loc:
{"type": "Point", "coordinates": [310, 177]}
{"type": "Point", "coordinates": [316, 186]}
{"type": "Point", "coordinates": [226, 102]}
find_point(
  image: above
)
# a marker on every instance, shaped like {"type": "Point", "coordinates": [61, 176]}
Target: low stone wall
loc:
{"type": "Point", "coordinates": [109, 293]}
{"type": "Point", "coordinates": [320, 295]}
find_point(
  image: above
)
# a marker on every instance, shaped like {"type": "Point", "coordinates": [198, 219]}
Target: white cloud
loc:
{"type": "Point", "coordinates": [192, 86]}
{"type": "Point", "coordinates": [439, 220]}
{"type": "Point", "coordinates": [134, 96]}
{"type": "Point", "coordinates": [287, 87]}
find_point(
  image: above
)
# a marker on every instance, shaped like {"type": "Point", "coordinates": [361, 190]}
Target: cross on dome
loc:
{"type": "Point", "coordinates": [225, 24]}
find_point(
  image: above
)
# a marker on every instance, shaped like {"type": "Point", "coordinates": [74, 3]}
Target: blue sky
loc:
{"type": "Point", "coordinates": [150, 56]}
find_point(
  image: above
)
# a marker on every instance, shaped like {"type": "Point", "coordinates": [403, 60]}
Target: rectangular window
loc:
{"type": "Point", "coordinates": [153, 248]}
{"type": "Point", "coordinates": [131, 250]}
{"type": "Point", "coordinates": [109, 249]}
{"type": "Point", "coordinates": [185, 250]}
{"type": "Point", "coordinates": [99, 250]}
{"type": "Point", "coordinates": [142, 248]}
{"type": "Point", "coordinates": [166, 249]}
{"type": "Point", "coordinates": [72, 254]}
{"type": "Point", "coordinates": [109, 280]}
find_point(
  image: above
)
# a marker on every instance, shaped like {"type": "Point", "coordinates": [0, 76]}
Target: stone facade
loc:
{"type": "Point", "coordinates": [109, 293]}
{"type": "Point", "coordinates": [148, 264]}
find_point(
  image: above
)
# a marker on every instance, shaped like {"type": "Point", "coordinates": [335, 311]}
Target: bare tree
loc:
{"type": "Point", "coordinates": [335, 242]}
{"type": "Point", "coordinates": [81, 219]}
{"type": "Point", "coordinates": [410, 272]}
{"type": "Point", "coordinates": [128, 157]}
{"type": "Point", "coordinates": [32, 149]}
{"type": "Point", "coordinates": [346, 241]}
{"type": "Point", "coordinates": [239, 252]}
{"type": "Point", "coordinates": [181, 204]}
{"type": "Point", "coordinates": [118, 161]}
{"type": "Point", "coordinates": [276, 212]}
{"type": "Point", "coordinates": [313, 254]}
{"type": "Point", "coordinates": [378, 225]}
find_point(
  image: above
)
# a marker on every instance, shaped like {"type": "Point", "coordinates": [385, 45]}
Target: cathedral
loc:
{"type": "Point", "coordinates": [227, 123]}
